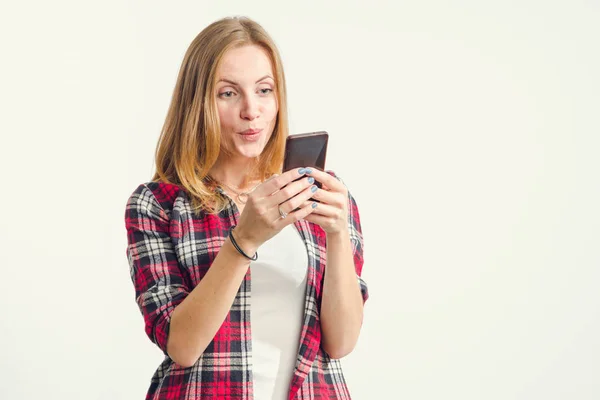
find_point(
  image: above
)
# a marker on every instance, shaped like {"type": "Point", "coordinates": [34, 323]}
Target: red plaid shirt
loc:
{"type": "Point", "coordinates": [169, 251]}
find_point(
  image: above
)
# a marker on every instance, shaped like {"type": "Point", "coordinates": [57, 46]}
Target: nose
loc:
{"type": "Point", "coordinates": [250, 109]}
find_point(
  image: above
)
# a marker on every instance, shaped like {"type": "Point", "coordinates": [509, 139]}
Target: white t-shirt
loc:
{"type": "Point", "coordinates": [278, 281]}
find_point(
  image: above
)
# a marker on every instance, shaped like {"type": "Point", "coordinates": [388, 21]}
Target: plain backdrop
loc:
{"type": "Point", "coordinates": [468, 132]}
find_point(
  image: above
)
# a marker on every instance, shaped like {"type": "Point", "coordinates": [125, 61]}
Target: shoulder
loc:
{"type": "Point", "coordinates": [165, 193]}
{"type": "Point", "coordinates": [155, 195]}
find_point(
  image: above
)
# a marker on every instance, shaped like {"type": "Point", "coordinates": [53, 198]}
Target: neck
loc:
{"type": "Point", "coordinates": [234, 172]}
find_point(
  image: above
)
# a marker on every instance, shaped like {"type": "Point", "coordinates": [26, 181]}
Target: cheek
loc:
{"type": "Point", "coordinates": [270, 109]}
{"type": "Point", "coordinates": [225, 117]}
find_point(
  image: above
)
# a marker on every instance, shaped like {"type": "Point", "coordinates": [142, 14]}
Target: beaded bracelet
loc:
{"type": "Point", "coordinates": [239, 249]}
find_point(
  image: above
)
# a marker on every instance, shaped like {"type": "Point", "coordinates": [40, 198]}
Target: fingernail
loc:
{"type": "Point", "coordinates": [314, 205]}
{"type": "Point", "coordinates": [313, 189]}
{"type": "Point", "coordinates": [302, 171]}
{"type": "Point", "coordinates": [311, 180]}
{"type": "Point", "coordinates": [308, 170]}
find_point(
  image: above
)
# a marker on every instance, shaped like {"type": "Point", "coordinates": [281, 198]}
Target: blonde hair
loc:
{"type": "Point", "coordinates": [190, 140]}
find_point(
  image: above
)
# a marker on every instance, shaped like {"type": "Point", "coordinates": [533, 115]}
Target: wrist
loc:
{"type": "Point", "coordinates": [241, 259]}
{"type": "Point", "coordinates": [244, 241]}
{"type": "Point", "coordinates": [342, 234]}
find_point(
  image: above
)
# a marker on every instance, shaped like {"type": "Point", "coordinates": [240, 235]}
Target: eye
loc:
{"type": "Point", "coordinates": [265, 90]}
{"type": "Point", "coordinates": [228, 93]}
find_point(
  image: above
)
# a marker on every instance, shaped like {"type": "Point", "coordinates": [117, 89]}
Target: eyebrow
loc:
{"type": "Point", "coordinates": [235, 83]}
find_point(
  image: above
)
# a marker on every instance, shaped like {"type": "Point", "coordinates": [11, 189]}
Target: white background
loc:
{"type": "Point", "coordinates": [467, 131]}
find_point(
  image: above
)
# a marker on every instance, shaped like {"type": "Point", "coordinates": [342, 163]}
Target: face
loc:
{"type": "Point", "coordinates": [246, 100]}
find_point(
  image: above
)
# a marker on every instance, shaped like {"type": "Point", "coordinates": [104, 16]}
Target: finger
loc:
{"type": "Point", "coordinates": [317, 219]}
{"type": "Point", "coordinates": [288, 204]}
{"type": "Point", "coordinates": [328, 211]}
{"type": "Point", "coordinates": [326, 179]}
{"type": "Point", "coordinates": [272, 185]}
{"type": "Point", "coordinates": [295, 216]}
{"type": "Point", "coordinates": [293, 190]}
{"type": "Point", "coordinates": [329, 197]}
{"type": "Point", "coordinates": [321, 220]}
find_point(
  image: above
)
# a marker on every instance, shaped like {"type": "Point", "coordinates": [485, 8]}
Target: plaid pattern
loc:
{"type": "Point", "coordinates": [169, 251]}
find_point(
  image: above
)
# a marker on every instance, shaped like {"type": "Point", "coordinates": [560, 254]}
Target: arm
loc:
{"type": "Point", "coordinates": [180, 321]}
{"type": "Point", "coordinates": [344, 291]}
{"type": "Point", "coordinates": [198, 318]}
{"type": "Point", "coordinates": [342, 303]}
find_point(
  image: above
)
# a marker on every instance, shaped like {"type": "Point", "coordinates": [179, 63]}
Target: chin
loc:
{"type": "Point", "coordinates": [251, 150]}
{"type": "Point", "coordinates": [250, 153]}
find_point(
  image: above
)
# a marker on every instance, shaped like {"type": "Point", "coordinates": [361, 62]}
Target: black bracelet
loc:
{"type": "Point", "coordinates": [239, 249]}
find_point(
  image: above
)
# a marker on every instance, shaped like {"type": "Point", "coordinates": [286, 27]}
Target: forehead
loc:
{"type": "Point", "coordinates": [245, 63]}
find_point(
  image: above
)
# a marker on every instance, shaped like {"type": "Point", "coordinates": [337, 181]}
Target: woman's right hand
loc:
{"type": "Point", "coordinates": [260, 220]}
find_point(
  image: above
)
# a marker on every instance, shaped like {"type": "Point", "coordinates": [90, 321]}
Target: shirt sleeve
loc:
{"type": "Point", "coordinates": [155, 272]}
{"type": "Point", "coordinates": [357, 244]}
{"type": "Point", "coordinates": [356, 237]}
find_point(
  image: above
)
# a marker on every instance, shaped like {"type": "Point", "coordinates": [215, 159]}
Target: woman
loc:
{"type": "Point", "coordinates": [234, 324]}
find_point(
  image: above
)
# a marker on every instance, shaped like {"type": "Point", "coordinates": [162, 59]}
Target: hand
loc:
{"type": "Point", "coordinates": [331, 213]}
{"type": "Point", "coordinates": [260, 220]}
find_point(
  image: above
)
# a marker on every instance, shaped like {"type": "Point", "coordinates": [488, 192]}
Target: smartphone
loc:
{"type": "Point", "coordinates": [306, 150]}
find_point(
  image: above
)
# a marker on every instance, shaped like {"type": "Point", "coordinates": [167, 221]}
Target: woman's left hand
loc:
{"type": "Point", "coordinates": [331, 213]}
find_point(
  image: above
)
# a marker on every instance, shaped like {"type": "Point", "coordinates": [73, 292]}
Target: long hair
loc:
{"type": "Point", "coordinates": [190, 140]}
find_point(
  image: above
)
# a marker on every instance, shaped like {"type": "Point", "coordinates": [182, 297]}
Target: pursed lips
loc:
{"type": "Point", "coordinates": [250, 132]}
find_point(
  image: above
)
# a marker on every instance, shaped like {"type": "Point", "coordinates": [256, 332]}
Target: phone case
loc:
{"type": "Point", "coordinates": [306, 150]}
